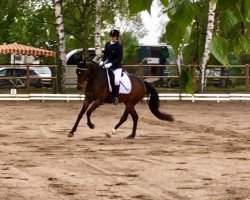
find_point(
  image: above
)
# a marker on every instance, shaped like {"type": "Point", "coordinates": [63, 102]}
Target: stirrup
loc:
{"type": "Point", "coordinates": [115, 101]}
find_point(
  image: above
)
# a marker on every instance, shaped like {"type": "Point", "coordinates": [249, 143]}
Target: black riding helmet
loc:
{"type": "Point", "coordinates": [114, 33]}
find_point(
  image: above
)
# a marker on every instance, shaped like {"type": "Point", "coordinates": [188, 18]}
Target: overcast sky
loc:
{"type": "Point", "coordinates": [155, 23]}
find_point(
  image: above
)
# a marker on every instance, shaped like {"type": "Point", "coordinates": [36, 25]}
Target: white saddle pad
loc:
{"type": "Point", "coordinates": [125, 84]}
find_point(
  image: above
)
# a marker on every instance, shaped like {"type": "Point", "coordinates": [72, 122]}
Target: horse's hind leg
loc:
{"type": "Point", "coordinates": [134, 116]}
{"type": "Point", "coordinates": [124, 117]}
{"type": "Point", "coordinates": [83, 110]}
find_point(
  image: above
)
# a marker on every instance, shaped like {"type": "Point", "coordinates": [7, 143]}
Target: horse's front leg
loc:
{"type": "Point", "coordinates": [94, 106]}
{"type": "Point", "coordinates": [85, 106]}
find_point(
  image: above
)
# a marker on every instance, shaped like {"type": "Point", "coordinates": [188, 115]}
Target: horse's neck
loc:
{"type": "Point", "coordinates": [96, 79]}
{"type": "Point", "coordinates": [95, 71]}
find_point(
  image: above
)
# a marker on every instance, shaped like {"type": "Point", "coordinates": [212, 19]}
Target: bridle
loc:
{"type": "Point", "coordinates": [82, 69]}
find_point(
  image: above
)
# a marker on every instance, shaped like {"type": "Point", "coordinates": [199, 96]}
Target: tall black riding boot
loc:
{"type": "Point", "coordinates": [115, 93]}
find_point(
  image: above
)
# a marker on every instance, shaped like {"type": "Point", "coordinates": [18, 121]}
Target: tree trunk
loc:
{"type": "Point", "coordinates": [179, 62]}
{"type": "Point", "coordinates": [209, 35]}
{"type": "Point", "coordinates": [98, 28]}
{"type": "Point", "coordinates": [62, 46]}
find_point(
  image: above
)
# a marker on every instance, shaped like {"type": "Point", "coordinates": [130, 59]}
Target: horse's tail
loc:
{"type": "Point", "coordinates": [154, 103]}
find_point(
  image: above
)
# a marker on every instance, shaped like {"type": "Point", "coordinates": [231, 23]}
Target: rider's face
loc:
{"type": "Point", "coordinates": [113, 39]}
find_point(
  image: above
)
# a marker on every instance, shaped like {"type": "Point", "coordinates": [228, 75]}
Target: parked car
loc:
{"type": "Point", "coordinates": [46, 75]}
{"type": "Point", "coordinates": [17, 76]}
{"type": "Point", "coordinates": [216, 73]}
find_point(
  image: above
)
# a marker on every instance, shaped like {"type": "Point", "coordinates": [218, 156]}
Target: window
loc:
{"type": "Point", "coordinates": [18, 57]}
{"type": "Point", "coordinates": [3, 72]}
{"type": "Point", "coordinates": [20, 72]}
{"type": "Point", "coordinates": [9, 72]}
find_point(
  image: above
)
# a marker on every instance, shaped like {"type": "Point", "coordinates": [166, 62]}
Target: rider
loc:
{"type": "Point", "coordinates": [112, 59]}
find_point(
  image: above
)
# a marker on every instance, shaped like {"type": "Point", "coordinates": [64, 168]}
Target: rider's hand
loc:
{"type": "Point", "coordinates": [108, 65]}
{"type": "Point", "coordinates": [101, 63]}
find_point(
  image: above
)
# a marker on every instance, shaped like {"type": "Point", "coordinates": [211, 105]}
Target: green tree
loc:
{"type": "Point", "coordinates": [8, 12]}
{"type": "Point", "coordinates": [198, 28]}
{"type": "Point", "coordinates": [79, 25]}
{"type": "Point", "coordinates": [130, 45]}
{"type": "Point", "coordinates": [33, 22]}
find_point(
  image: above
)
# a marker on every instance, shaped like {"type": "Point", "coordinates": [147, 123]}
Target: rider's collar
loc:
{"type": "Point", "coordinates": [113, 42]}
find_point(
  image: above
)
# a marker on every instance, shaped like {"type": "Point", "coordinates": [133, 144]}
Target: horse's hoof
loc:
{"type": "Point", "coordinates": [130, 137]}
{"type": "Point", "coordinates": [107, 135]}
{"type": "Point", "coordinates": [111, 132]}
{"type": "Point", "coordinates": [92, 126]}
{"type": "Point", "coordinates": [70, 134]}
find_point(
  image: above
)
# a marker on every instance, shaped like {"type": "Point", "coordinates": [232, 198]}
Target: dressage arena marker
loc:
{"type": "Point", "coordinates": [162, 97]}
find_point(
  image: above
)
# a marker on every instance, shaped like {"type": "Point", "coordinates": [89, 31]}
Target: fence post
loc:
{"type": "Point", "coordinates": [247, 74]}
{"type": "Point", "coordinates": [27, 78]}
{"type": "Point", "coordinates": [54, 80]}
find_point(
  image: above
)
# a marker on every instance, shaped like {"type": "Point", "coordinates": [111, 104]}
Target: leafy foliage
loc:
{"type": "Point", "coordinates": [130, 45]}
{"type": "Point", "coordinates": [186, 29]}
{"type": "Point", "coordinates": [139, 5]}
{"type": "Point", "coordinates": [178, 29]}
{"type": "Point", "coordinates": [164, 2]}
{"type": "Point", "coordinates": [33, 22]}
{"type": "Point", "coordinates": [186, 80]}
{"type": "Point", "coordinates": [219, 48]}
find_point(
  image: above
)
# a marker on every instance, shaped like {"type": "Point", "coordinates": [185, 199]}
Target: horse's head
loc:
{"type": "Point", "coordinates": [86, 69]}
{"type": "Point", "coordinates": [82, 73]}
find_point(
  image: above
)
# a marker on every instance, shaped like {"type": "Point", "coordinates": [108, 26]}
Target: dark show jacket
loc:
{"type": "Point", "coordinates": [113, 53]}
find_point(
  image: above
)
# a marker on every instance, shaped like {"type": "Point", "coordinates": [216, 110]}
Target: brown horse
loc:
{"type": "Point", "coordinates": [97, 90]}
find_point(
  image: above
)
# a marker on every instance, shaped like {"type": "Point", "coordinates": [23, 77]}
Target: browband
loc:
{"type": "Point", "coordinates": [81, 69]}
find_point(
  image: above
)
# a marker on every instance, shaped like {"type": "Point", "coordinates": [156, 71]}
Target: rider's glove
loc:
{"type": "Point", "coordinates": [101, 63]}
{"type": "Point", "coordinates": [108, 65]}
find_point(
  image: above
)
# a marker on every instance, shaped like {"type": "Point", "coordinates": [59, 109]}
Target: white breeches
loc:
{"type": "Point", "coordinates": [118, 74]}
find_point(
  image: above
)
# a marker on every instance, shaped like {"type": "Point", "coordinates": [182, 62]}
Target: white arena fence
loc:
{"type": "Point", "coordinates": [162, 96]}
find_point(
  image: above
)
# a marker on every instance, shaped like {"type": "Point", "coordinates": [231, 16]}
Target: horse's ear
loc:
{"type": "Point", "coordinates": [81, 64]}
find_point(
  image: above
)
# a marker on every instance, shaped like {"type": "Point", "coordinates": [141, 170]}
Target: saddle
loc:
{"type": "Point", "coordinates": [125, 83]}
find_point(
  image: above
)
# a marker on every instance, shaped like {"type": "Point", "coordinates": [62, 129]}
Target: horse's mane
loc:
{"type": "Point", "coordinates": [94, 66]}
{"type": "Point", "coordinates": [90, 60]}
{"type": "Point", "coordinates": [93, 63]}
